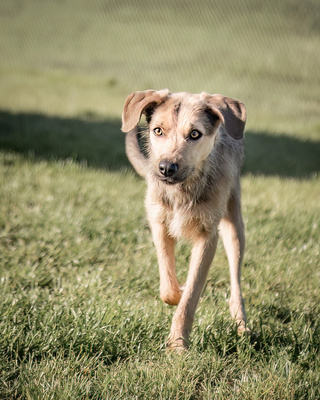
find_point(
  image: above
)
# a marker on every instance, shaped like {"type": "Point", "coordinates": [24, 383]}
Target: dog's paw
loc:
{"type": "Point", "coordinates": [170, 294]}
{"type": "Point", "coordinates": [177, 345]}
{"type": "Point", "coordinates": [171, 298]}
{"type": "Point", "coordinates": [243, 328]}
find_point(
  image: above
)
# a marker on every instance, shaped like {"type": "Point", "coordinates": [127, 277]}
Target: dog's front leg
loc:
{"type": "Point", "coordinates": [169, 286]}
{"type": "Point", "coordinates": [202, 255]}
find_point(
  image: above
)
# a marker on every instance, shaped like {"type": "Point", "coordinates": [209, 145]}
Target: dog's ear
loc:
{"type": "Point", "coordinates": [136, 103]}
{"type": "Point", "coordinates": [233, 112]}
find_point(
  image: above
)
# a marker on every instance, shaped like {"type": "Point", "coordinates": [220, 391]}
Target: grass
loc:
{"type": "Point", "coordinates": [80, 315]}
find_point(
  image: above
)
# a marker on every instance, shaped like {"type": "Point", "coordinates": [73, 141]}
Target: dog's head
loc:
{"type": "Point", "coordinates": [182, 128]}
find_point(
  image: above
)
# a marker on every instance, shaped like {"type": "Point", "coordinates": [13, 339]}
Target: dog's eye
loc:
{"type": "Point", "coordinates": [195, 135]}
{"type": "Point", "coordinates": [158, 131]}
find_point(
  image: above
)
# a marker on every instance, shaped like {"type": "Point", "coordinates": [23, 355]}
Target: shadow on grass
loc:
{"type": "Point", "coordinates": [90, 140]}
{"type": "Point", "coordinates": [100, 143]}
{"type": "Point", "coordinates": [282, 155]}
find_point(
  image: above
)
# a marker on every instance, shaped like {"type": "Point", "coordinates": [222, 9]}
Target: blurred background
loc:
{"type": "Point", "coordinates": [65, 62]}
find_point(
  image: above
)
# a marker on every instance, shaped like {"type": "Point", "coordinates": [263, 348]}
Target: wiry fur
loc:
{"type": "Point", "coordinates": [200, 199]}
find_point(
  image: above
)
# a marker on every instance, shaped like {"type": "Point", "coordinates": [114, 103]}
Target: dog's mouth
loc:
{"type": "Point", "coordinates": [176, 179]}
{"type": "Point", "coordinates": [170, 181]}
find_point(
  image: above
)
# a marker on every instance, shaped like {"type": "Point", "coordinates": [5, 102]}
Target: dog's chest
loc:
{"type": "Point", "coordinates": [189, 220]}
{"type": "Point", "coordinates": [182, 224]}
{"type": "Point", "coordinates": [183, 214]}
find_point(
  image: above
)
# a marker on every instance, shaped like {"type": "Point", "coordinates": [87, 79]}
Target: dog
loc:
{"type": "Point", "coordinates": [194, 153]}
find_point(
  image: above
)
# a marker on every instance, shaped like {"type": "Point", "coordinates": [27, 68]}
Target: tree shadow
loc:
{"type": "Point", "coordinates": [281, 155]}
{"type": "Point", "coordinates": [87, 139]}
{"type": "Point", "coordinates": [99, 143]}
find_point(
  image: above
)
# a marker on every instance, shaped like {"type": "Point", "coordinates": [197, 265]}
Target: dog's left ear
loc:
{"type": "Point", "coordinates": [136, 103]}
{"type": "Point", "coordinates": [233, 112]}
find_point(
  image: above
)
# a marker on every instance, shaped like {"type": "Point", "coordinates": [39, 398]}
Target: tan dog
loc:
{"type": "Point", "coordinates": [192, 168]}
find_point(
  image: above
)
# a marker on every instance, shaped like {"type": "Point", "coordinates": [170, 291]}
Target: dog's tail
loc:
{"type": "Point", "coordinates": [134, 154]}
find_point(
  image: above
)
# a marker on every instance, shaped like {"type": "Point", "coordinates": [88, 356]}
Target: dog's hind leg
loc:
{"type": "Point", "coordinates": [232, 231]}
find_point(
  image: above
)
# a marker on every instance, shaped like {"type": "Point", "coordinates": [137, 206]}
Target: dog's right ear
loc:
{"type": "Point", "coordinates": [232, 113]}
{"type": "Point", "coordinates": [136, 103]}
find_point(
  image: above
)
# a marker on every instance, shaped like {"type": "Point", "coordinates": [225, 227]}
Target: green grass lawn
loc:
{"type": "Point", "coordinates": [80, 314]}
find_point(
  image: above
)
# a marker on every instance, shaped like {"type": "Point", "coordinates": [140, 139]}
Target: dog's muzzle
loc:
{"type": "Point", "coordinates": [171, 173]}
{"type": "Point", "coordinates": [168, 169]}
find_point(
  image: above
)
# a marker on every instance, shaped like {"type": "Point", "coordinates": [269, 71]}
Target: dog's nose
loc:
{"type": "Point", "coordinates": [168, 168]}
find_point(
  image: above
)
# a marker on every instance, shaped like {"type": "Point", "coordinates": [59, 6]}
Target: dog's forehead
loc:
{"type": "Point", "coordinates": [187, 101]}
{"type": "Point", "coordinates": [180, 106]}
